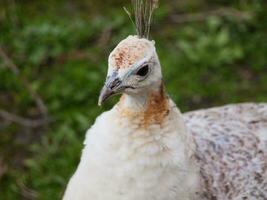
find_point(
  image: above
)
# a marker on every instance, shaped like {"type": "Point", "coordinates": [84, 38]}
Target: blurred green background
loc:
{"type": "Point", "coordinates": [53, 62]}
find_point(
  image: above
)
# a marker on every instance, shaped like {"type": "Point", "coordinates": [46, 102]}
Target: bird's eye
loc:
{"type": "Point", "coordinates": [143, 71]}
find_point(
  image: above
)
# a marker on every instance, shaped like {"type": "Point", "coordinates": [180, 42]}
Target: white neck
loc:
{"type": "Point", "coordinates": [139, 102]}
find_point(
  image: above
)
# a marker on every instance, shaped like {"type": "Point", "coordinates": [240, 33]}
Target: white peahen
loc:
{"type": "Point", "coordinates": [145, 149]}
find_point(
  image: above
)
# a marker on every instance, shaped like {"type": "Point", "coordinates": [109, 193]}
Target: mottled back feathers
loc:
{"type": "Point", "coordinates": [231, 149]}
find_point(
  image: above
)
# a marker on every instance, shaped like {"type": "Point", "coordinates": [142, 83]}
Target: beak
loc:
{"type": "Point", "coordinates": [105, 93]}
{"type": "Point", "coordinates": [110, 88]}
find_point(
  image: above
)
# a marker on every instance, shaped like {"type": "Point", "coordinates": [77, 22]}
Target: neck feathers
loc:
{"type": "Point", "coordinates": [157, 107]}
{"type": "Point", "coordinates": [149, 108]}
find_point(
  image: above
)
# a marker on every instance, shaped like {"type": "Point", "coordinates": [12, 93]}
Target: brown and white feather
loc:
{"type": "Point", "coordinates": [231, 148]}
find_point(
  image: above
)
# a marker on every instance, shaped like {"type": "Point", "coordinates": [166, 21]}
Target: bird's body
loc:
{"type": "Point", "coordinates": [145, 149]}
{"type": "Point", "coordinates": [231, 149]}
{"type": "Point", "coordinates": [129, 158]}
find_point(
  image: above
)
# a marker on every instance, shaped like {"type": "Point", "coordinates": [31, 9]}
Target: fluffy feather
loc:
{"type": "Point", "coordinates": [145, 149]}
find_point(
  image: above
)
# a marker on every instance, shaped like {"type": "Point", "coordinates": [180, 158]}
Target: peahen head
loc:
{"type": "Point", "coordinates": [133, 68]}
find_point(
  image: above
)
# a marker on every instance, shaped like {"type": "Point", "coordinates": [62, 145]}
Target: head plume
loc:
{"type": "Point", "coordinates": [143, 13]}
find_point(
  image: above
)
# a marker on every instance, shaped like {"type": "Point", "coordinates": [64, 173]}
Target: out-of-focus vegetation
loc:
{"type": "Point", "coordinates": [212, 53]}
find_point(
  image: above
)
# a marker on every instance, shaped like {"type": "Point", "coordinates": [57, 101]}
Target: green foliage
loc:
{"type": "Point", "coordinates": [61, 47]}
{"type": "Point", "coordinates": [212, 47]}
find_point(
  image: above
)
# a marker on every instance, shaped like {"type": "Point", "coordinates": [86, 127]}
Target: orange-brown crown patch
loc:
{"type": "Point", "coordinates": [128, 52]}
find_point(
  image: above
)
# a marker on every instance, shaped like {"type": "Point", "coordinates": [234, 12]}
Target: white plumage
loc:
{"type": "Point", "coordinates": [143, 148]}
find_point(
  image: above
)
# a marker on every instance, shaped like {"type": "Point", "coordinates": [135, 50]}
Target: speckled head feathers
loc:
{"type": "Point", "coordinates": [130, 51]}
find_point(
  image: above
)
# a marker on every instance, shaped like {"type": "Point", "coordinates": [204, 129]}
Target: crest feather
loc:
{"type": "Point", "coordinates": [143, 13]}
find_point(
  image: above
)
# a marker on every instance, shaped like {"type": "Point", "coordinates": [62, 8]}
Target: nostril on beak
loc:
{"type": "Point", "coordinates": [116, 82]}
{"type": "Point", "coordinates": [109, 89]}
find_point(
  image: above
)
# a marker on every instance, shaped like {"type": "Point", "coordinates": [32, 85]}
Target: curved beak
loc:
{"type": "Point", "coordinates": [105, 93]}
{"type": "Point", "coordinates": [111, 87]}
